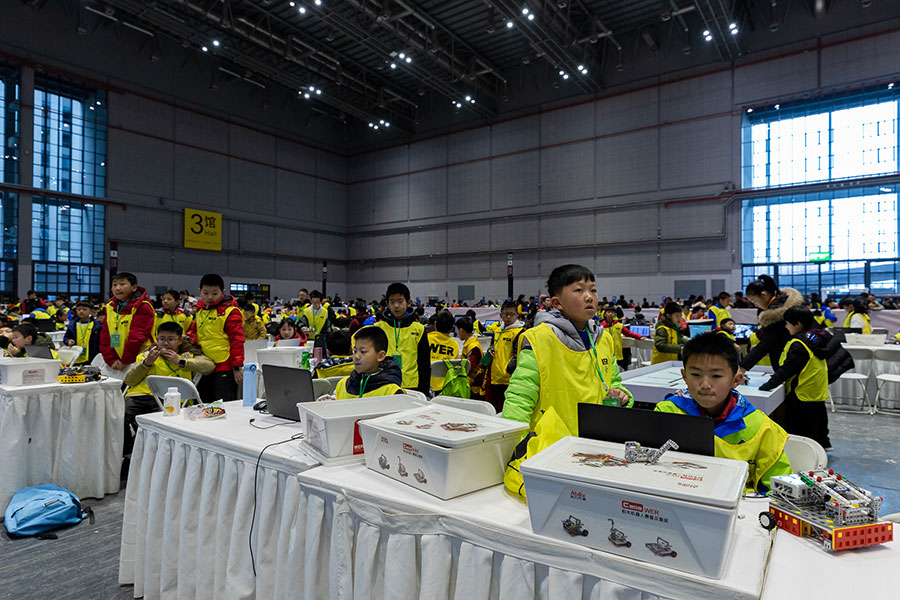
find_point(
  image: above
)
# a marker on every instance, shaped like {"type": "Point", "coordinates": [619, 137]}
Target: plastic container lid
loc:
{"type": "Point", "coordinates": [691, 477]}
{"type": "Point", "coordinates": [449, 427]}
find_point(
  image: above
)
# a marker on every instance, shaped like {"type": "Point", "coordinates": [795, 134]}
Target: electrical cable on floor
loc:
{"type": "Point", "coordinates": [271, 426]}
{"type": "Point", "coordinates": [294, 437]}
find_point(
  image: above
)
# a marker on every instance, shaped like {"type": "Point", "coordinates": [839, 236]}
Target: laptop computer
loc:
{"type": "Point", "coordinates": [37, 351]}
{"type": "Point", "coordinates": [285, 387]}
{"type": "Point", "coordinates": [650, 428]}
{"type": "Point", "coordinates": [287, 343]}
{"type": "Point", "coordinates": [744, 330]}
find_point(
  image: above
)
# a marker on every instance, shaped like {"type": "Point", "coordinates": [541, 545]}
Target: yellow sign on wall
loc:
{"type": "Point", "coordinates": [202, 229]}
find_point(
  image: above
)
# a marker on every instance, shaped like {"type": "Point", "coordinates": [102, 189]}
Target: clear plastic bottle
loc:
{"type": "Point", "coordinates": [172, 405]}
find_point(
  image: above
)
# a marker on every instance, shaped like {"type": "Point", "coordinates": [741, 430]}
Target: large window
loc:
{"type": "Point", "coordinates": [67, 246]}
{"type": "Point", "coordinates": [69, 137]}
{"type": "Point", "coordinates": [9, 125]}
{"type": "Point", "coordinates": [9, 210]}
{"type": "Point", "coordinates": [836, 241]}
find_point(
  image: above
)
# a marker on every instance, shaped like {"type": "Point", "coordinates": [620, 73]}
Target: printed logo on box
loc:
{"type": "Point", "coordinates": [357, 439]}
{"type": "Point", "coordinates": [383, 439]}
{"type": "Point", "coordinates": [410, 449]}
{"type": "Point", "coordinates": [576, 495]}
{"type": "Point", "coordinates": [632, 506]}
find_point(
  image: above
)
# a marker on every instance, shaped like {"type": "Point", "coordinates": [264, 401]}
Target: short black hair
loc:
{"type": "Point", "coordinates": [671, 308]}
{"type": "Point", "coordinates": [712, 344]}
{"type": "Point", "coordinates": [564, 275]}
{"type": "Point", "coordinates": [213, 280]}
{"type": "Point", "coordinates": [174, 293]}
{"type": "Point", "coordinates": [287, 321]}
{"type": "Point", "coordinates": [763, 283]}
{"type": "Point", "coordinates": [27, 330]}
{"type": "Point", "coordinates": [801, 315]}
{"type": "Point", "coordinates": [471, 314]}
{"type": "Point", "coordinates": [375, 335]}
{"type": "Point", "coordinates": [508, 304]}
{"type": "Point", "coordinates": [444, 322]}
{"type": "Point", "coordinates": [130, 277]}
{"type": "Point", "coordinates": [249, 307]}
{"type": "Point", "coordinates": [861, 306]}
{"type": "Point", "coordinates": [724, 295]}
{"type": "Point", "coordinates": [316, 294]}
{"type": "Point", "coordinates": [466, 325]}
{"type": "Point", "coordinates": [302, 290]}
{"type": "Point", "coordinates": [338, 343]}
{"type": "Point", "coordinates": [397, 288]}
{"type": "Point", "coordinates": [82, 303]}
{"type": "Point", "coordinates": [725, 320]}
{"type": "Point", "coordinates": [170, 326]}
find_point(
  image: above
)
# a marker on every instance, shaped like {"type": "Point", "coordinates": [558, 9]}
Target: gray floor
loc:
{"type": "Point", "coordinates": [83, 563]}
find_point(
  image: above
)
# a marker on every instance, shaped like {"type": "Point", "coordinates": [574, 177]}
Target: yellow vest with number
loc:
{"type": "Point", "coordinates": [183, 320]}
{"type": "Point", "coordinates": [760, 444]}
{"type": "Point", "coordinates": [657, 357]}
{"type": "Point", "coordinates": [616, 332]}
{"type": "Point", "coordinates": [567, 376]}
{"type": "Point", "coordinates": [503, 353]}
{"type": "Point", "coordinates": [811, 385]}
{"type": "Point", "coordinates": [404, 341]}
{"type": "Point", "coordinates": [720, 313]}
{"type": "Point", "coordinates": [160, 367]}
{"type": "Point", "coordinates": [867, 328]}
{"type": "Point", "coordinates": [211, 333]}
{"type": "Point", "coordinates": [316, 322]}
{"type": "Point", "coordinates": [341, 393]}
{"type": "Point", "coordinates": [83, 333]}
{"type": "Point", "coordinates": [120, 323]}
{"type": "Point", "coordinates": [442, 346]}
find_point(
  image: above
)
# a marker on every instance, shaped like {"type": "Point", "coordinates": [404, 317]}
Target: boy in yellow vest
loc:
{"type": "Point", "coordinates": [742, 432]}
{"type": "Point", "coordinates": [171, 356]}
{"type": "Point", "coordinates": [667, 340]}
{"type": "Point", "coordinates": [253, 325]}
{"type": "Point", "coordinates": [340, 356]}
{"type": "Point", "coordinates": [503, 352]}
{"type": "Point", "coordinates": [567, 359]}
{"type": "Point", "coordinates": [407, 342]}
{"type": "Point", "coordinates": [471, 352]}
{"type": "Point", "coordinates": [719, 310]}
{"type": "Point", "coordinates": [374, 372]}
{"type": "Point", "coordinates": [316, 319]}
{"type": "Point", "coordinates": [171, 312]}
{"type": "Point", "coordinates": [84, 332]}
{"type": "Point", "coordinates": [441, 345]}
{"type": "Point", "coordinates": [127, 324]}
{"type": "Point", "coordinates": [218, 329]}
{"type": "Point", "coordinates": [803, 371]}
{"type": "Point", "coordinates": [614, 326]}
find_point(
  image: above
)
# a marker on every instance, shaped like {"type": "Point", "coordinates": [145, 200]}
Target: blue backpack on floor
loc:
{"type": "Point", "coordinates": [36, 510]}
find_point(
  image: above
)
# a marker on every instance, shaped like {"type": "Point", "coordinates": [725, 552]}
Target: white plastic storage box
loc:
{"type": "Point", "coordinates": [332, 427]}
{"type": "Point", "coordinates": [677, 513]}
{"type": "Point", "coordinates": [28, 371]}
{"type": "Point", "coordinates": [441, 450]}
{"type": "Point", "coordinates": [290, 356]}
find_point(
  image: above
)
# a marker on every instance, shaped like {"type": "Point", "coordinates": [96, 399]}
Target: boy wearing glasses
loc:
{"type": "Point", "coordinates": [503, 354]}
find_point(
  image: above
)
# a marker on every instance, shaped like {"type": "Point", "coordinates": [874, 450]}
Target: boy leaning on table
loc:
{"type": "Point", "coordinates": [565, 360]}
{"type": "Point", "coordinates": [742, 431]}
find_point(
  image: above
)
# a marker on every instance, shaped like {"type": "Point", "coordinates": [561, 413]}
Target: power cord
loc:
{"type": "Point", "coordinates": [271, 426]}
{"type": "Point", "coordinates": [296, 436]}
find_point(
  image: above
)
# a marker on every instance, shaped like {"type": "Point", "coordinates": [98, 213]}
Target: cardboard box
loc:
{"type": "Point", "coordinates": [677, 513]}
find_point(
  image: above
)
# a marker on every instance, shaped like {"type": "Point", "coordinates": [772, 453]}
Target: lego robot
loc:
{"type": "Point", "coordinates": [635, 453]}
{"type": "Point", "coordinates": [661, 548]}
{"type": "Point", "coordinates": [574, 527]}
{"type": "Point", "coordinates": [617, 536]}
{"type": "Point", "coordinates": [827, 507]}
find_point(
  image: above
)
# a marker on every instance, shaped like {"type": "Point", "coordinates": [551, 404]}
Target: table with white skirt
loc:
{"type": "Point", "coordinates": [190, 503]}
{"type": "Point", "coordinates": [69, 434]}
{"type": "Point", "coordinates": [367, 536]}
{"type": "Point", "coordinates": [847, 393]}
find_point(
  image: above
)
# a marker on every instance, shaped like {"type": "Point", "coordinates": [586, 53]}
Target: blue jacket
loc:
{"type": "Point", "coordinates": [93, 345]}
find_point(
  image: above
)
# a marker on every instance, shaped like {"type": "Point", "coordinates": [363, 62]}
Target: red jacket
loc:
{"type": "Point", "coordinates": [625, 331]}
{"type": "Point", "coordinates": [138, 333]}
{"type": "Point", "coordinates": [234, 329]}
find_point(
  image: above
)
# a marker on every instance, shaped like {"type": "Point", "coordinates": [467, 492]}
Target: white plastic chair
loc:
{"type": "Point", "coordinates": [643, 351]}
{"type": "Point", "coordinates": [322, 387]}
{"type": "Point", "coordinates": [160, 384]}
{"type": "Point", "coordinates": [439, 369]}
{"type": "Point", "coordinates": [478, 406]}
{"type": "Point", "coordinates": [888, 356]}
{"type": "Point", "coordinates": [805, 454]}
{"type": "Point", "coordinates": [857, 378]}
{"type": "Point", "coordinates": [334, 380]}
{"type": "Point", "coordinates": [415, 394]}
{"type": "Point", "coordinates": [485, 342]}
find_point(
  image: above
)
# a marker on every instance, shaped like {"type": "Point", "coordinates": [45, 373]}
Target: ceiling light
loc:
{"type": "Point", "coordinates": [777, 106]}
{"type": "Point", "coordinates": [890, 86]}
{"type": "Point", "coordinates": [561, 73]}
{"type": "Point", "coordinates": [318, 92]}
{"type": "Point", "coordinates": [472, 101]}
{"type": "Point", "coordinates": [371, 125]}
{"type": "Point", "coordinates": [584, 71]}
{"type": "Point", "coordinates": [292, 4]}
{"type": "Point", "coordinates": [216, 43]}
{"type": "Point", "coordinates": [468, 98]}
{"type": "Point", "coordinates": [566, 76]}
{"type": "Point", "coordinates": [381, 121]}
{"type": "Point", "coordinates": [375, 126]}
{"type": "Point", "coordinates": [302, 10]}
{"type": "Point", "coordinates": [525, 11]}
{"type": "Point", "coordinates": [312, 88]}
{"type": "Point", "coordinates": [408, 59]}
{"type": "Point", "coordinates": [402, 56]}
{"type": "Point", "coordinates": [509, 24]}
{"type": "Point", "coordinates": [708, 38]}
{"type": "Point", "coordinates": [306, 95]}
{"type": "Point", "coordinates": [531, 17]}
{"type": "Point", "coordinates": [749, 110]}
{"type": "Point", "coordinates": [393, 65]}
{"type": "Point", "coordinates": [705, 32]}
{"type": "Point", "coordinates": [732, 26]}
{"type": "Point", "coordinates": [734, 31]}
{"type": "Point", "coordinates": [205, 49]}
{"type": "Point", "coordinates": [318, 2]}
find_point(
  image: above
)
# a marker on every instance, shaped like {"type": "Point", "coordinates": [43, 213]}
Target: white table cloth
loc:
{"type": "Point", "coordinates": [367, 536]}
{"type": "Point", "coordinates": [847, 393]}
{"type": "Point", "coordinates": [189, 504]}
{"type": "Point", "coordinates": [68, 434]}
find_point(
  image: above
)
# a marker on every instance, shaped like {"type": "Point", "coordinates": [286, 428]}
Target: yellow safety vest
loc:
{"type": "Point", "coordinates": [658, 357]}
{"type": "Point", "coordinates": [495, 327]}
{"type": "Point", "coordinates": [341, 370]}
{"type": "Point", "coordinates": [316, 322]}
{"type": "Point", "coordinates": [726, 334]}
{"type": "Point", "coordinates": [720, 313]}
{"type": "Point", "coordinates": [211, 333]}
{"type": "Point", "coordinates": [183, 320]}
{"type": "Point", "coordinates": [83, 338]}
{"type": "Point", "coordinates": [442, 346]}
{"type": "Point", "coordinates": [760, 444]}
{"type": "Point", "coordinates": [616, 331]}
{"type": "Point", "coordinates": [568, 377]}
{"type": "Point", "coordinates": [403, 345]}
{"type": "Point", "coordinates": [868, 326]}
{"type": "Point", "coordinates": [351, 311]}
{"type": "Point", "coordinates": [765, 360]}
{"type": "Point", "coordinates": [341, 393]}
{"type": "Point", "coordinates": [160, 367]}
{"type": "Point", "coordinates": [503, 353]}
{"type": "Point", "coordinates": [811, 385]}
{"type": "Point", "coordinates": [468, 346]}
{"type": "Point", "coordinates": [120, 323]}
{"type": "Point", "coordinates": [821, 320]}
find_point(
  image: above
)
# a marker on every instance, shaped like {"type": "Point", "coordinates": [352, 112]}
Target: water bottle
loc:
{"type": "Point", "coordinates": [249, 384]}
{"type": "Point", "coordinates": [172, 405]}
{"type": "Point", "coordinates": [304, 360]}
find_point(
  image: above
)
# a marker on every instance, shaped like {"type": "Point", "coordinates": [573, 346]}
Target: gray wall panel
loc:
{"type": "Point", "coordinates": [781, 78]}
{"type": "Point", "coordinates": [252, 186]}
{"type": "Point", "coordinates": [361, 201]}
{"type": "Point", "coordinates": [331, 203]}
{"type": "Point", "coordinates": [292, 242]}
{"type": "Point", "coordinates": [514, 233]}
{"type": "Point", "coordinates": [428, 241]}
{"type": "Point", "coordinates": [295, 157]}
{"type": "Point", "coordinates": [197, 262]}
{"type": "Point", "coordinates": [515, 135]}
{"type": "Point", "coordinates": [253, 267]}
{"type": "Point", "coordinates": [158, 226]}
{"type": "Point", "coordinates": [466, 189]}
{"type": "Point", "coordinates": [627, 260]}
{"type": "Point", "coordinates": [199, 130]}
{"type": "Point", "coordinates": [300, 270]}
{"type": "Point", "coordinates": [328, 246]}
{"type": "Point", "coordinates": [252, 144]}
{"type": "Point", "coordinates": [696, 96]}
{"type": "Point", "coordinates": [296, 196]}
{"type": "Point", "coordinates": [142, 165]}
{"type": "Point", "coordinates": [868, 58]}
{"type": "Point", "coordinates": [390, 200]}
{"type": "Point", "coordinates": [525, 264]}
{"type": "Point", "coordinates": [696, 153]}
{"type": "Point", "coordinates": [428, 194]}
{"type": "Point", "coordinates": [691, 219]}
{"type": "Point", "coordinates": [701, 256]}
{"type": "Point", "coordinates": [627, 164]}
{"type": "Point", "coordinates": [469, 145]}
{"type": "Point", "coordinates": [201, 178]}
{"type": "Point", "coordinates": [257, 238]}
{"type": "Point", "coordinates": [573, 123]}
{"type": "Point", "coordinates": [467, 268]}
{"type": "Point", "coordinates": [139, 113]}
{"type": "Point", "coordinates": [145, 258]}
{"type": "Point", "coordinates": [473, 238]}
{"type": "Point", "coordinates": [567, 230]}
{"type": "Point", "coordinates": [514, 180]}
{"type": "Point", "coordinates": [431, 269]}
{"type": "Point", "coordinates": [641, 225]}
{"type": "Point", "coordinates": [627, 112]}
{"type": "Point", "coordinates": [429, 153]}
{"type": "Point", "coordinates": [388, 246]}
{"type": "Point", "coordinates": [567, 173]}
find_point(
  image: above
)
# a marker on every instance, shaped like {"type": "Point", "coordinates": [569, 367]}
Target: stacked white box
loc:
{"type": "Point", "coordinates": [290, 356]}
{"type": "Point", "coordinates": [677, 513]}
{"type": "Point", "coordinates": [28, 371]}
{"type": "Point", "coordinates": [441, 450]}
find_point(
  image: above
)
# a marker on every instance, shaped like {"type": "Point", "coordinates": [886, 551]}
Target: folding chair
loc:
{"type": "Point", "coordinates": [805, 454]}
{"type": "Point", "coordinates": [160, 384]}
{"type": "Point", "coordinates": [478, 406]}
{"type": "Point", "coordinates": [885, 356]}
{"type": "Point", "coordinates": [856, 378]}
